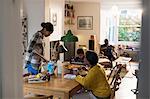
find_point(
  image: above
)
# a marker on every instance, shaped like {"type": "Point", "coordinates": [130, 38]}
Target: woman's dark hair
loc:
{"type": "Point", "coordinates": [49, 27]}
{"type": "Point", "coordinates": [92, 57]}
{"type": "Point", "coordinates": [80, 51]}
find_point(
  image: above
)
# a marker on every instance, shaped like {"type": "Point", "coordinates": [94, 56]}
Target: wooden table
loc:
{"type": "Point", "coordinates": [123, 60]}
{"type": "Point", "coordinates": [105, 62]}
{"type": "Point", "coordinates": [59, 87]}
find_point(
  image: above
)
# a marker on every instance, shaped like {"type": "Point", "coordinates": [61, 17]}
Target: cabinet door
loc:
{"type": "Point", "coordinates": [71, 50]}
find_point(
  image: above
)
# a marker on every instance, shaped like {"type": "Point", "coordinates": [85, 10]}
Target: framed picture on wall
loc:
{"type": "Point", "coordinates": [85, 22]}
{"type": "Point", "coordinates": [54, 19]}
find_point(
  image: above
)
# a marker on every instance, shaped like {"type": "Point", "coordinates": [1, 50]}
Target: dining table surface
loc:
{"type": "Point", "coordinates": [57, 86]}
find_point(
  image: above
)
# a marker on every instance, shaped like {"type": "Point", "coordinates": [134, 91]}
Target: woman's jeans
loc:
{"type": "Point", "coordinates": [33, 70]}
{"type": "Point", "coordinates": [84, 95]}
{"type": "Point", "coordinates": [87, 95]}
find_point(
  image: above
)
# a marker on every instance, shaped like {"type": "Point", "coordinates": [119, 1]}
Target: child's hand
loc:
{"type": "Point", "coordinates": [26, 74]}
{"type": "Point", "coordinates": [83, 68]}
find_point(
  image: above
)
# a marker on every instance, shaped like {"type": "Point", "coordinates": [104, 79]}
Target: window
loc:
{"type": "Point", "coordinates": [121, 26]}
{"type": "Point", "coordinates": [129, 29]}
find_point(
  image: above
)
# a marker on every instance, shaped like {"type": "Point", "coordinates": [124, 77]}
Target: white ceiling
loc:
{"type": "Point", "coordinates": [122, 3]}
{"type": "Point", "coordinates": [105, 0]}
{"type": "Point", "coordinates": [84, 0]}
{"type": "Point", "coordinates": [110, 3]}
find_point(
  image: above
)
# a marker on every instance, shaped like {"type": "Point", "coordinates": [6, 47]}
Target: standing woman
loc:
{"type": "Point", "coordinates": [32, 59]}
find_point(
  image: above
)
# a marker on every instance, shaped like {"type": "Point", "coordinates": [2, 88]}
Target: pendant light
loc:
{"type": "Point", "coordinates": [69, 37]}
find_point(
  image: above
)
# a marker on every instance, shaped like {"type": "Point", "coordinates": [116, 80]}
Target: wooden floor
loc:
{"type": "Point", "coordinates": [128, 82]}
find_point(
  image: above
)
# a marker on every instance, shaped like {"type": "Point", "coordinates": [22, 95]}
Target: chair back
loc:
{"type": "Point", "coordinates": [114, 79]}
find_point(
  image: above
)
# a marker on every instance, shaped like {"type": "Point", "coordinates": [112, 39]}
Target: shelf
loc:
{"type": "Point", "coordinates": [69, 23]}
{"type": "Point", "coordinates": [69, 11]}
{"type": "Point", "coordinates": [69, 14]}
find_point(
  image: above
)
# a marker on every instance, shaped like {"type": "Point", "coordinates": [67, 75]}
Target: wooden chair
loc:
{"type": "Point", "coordinates": [114, 79]}
{"type": "Point", "coordinates": [114, 71]}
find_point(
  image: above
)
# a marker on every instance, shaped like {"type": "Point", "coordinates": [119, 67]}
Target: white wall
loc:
{"type": "Point", "coordinates": [10, 50]}
{"type": "Point", "coordinates": [87, 9]}
{"type": "Point", "coordinates": [57, 7]}
{"type": "Point", "coordinates": [35, 13]}
{"type": "Point", "coordinates": [104, 25]}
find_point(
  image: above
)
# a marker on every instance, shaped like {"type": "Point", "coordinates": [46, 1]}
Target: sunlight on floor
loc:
{"type": "Point", "coordinates": [128, 82]}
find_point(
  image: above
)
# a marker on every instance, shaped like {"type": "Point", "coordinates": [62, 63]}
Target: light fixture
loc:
{"type": "Point", "coordinates": [69, 37]}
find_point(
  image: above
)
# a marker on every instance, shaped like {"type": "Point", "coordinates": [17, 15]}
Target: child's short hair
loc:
{"type": "Point", "coordinates": [92, 57]}
{"type": "Point", "coordinates": [80, 51]}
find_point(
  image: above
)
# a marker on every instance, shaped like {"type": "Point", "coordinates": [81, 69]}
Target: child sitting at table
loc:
{"type": "Point", "coordinates": [79, 57]}
{"type": "Point", "coordinates": [95, 81]}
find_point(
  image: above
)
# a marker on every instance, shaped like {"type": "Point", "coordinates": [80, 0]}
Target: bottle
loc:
{"type": "Point", "coordinates": [50, 67]}
{"type": "Point", "coordinates": [59, 67]}
{"type": "Point", "coordinates": [72, 60]}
